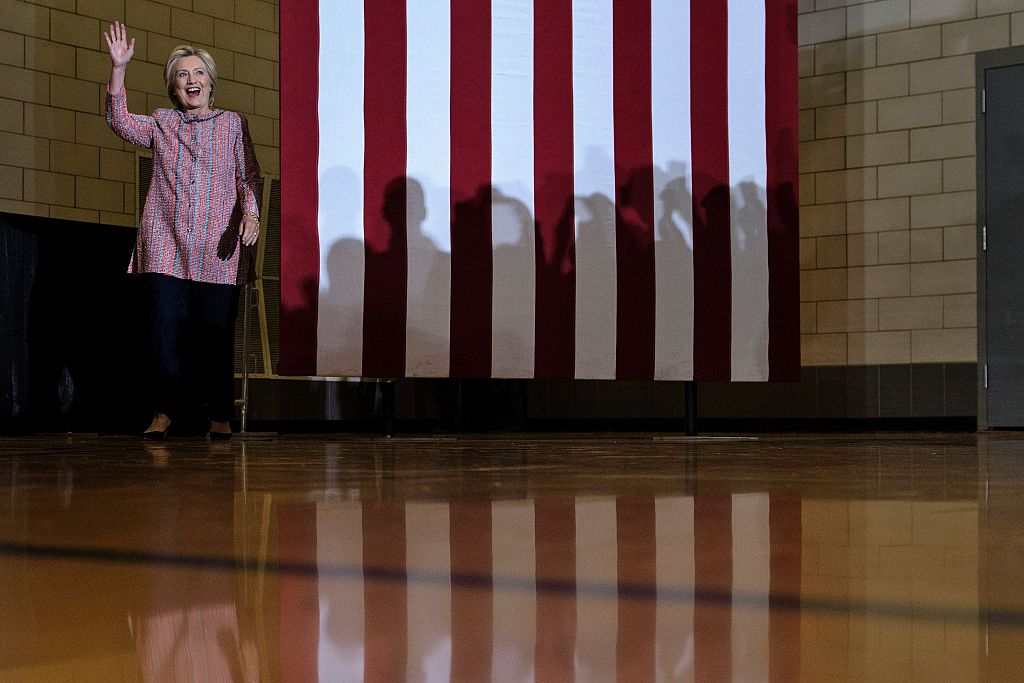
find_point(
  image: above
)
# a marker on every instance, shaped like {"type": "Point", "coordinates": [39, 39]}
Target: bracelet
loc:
{"type": "Point", "coordinates": [253, 215]}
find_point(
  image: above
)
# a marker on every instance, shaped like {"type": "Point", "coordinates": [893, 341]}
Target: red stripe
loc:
{"type": "Point", "coordinates": [712, 567]}
{"type": "Point", "coordinates": [555, 529]}
{"type": "Point", "coordinates": [384, 191]}
{"type": "Point", "coordinates": [300, 598]}
{"type": "Point", "coordinates": [785, 528]}
{"type": "Point", "coordinates": [472, 282]}
{"type": "Point", "coordinates": [555, 307]}
{"type": "Point", "coordinates": [472, 592]}
{"type": "Point", "coordinates": [636, 647]}
{"type": "Point", "coordinates": [634, 184]}
{"type": "Point", "coordinates": [384, 592]}
{"type": "Point", "coordinates": [783, 184]}
{"type": "Point", "coordinates": [712, 255]}
{"type": "Point", "coordinates": [300, 243]}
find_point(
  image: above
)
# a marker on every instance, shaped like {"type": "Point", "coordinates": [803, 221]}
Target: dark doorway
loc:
{"type": "Point", "coordinates": [1001, 247]}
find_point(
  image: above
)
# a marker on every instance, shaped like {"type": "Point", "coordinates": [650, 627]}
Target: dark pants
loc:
{"type": "Point", "coordinates": [192, 340]}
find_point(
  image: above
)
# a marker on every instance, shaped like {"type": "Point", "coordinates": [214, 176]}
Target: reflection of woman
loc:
{"type": "Point", "coordinates": [200, 217]}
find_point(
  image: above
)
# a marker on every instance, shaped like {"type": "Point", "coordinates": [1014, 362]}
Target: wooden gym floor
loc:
{"type": "Point", "coordinates": [598, 557]}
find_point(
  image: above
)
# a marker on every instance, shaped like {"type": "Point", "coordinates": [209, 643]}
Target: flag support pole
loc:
{"type": "Point", "coordinates": [387, 407]}
{"type": "Point", "coordinates": [244, 401]}
{"type": "Point", "coordinates": [690, 391]}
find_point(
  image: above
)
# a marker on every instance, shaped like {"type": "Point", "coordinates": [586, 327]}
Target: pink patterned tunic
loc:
{"type": "Point", "coordinates": [205, 175]}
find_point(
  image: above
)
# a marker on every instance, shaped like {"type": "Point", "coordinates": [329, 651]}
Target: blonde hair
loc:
{"type": "Point", "coordinates": [172, 62]}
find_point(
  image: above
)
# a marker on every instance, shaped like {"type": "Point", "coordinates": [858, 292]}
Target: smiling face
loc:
{"type": "Point", "coordinates": [192, 85]}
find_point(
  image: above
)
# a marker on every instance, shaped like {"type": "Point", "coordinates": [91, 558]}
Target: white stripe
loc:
{"type": "Point", "coordinates": [597, 604]}
{"type": "Point", "coordinates": [429, 591]}
{"type": "Point", "coordinates": [339, 544]}
{"type": "Point", "coordinates": [340, 179]}
{"type": "Point", "coordinates": [751, 582]}
{"type": "Point", "coordinates": [673, 187]}
{"type": "Point", "coordinates": [674, 655]}
{"type": "Point", "coordinates": [428, 121]}
{"type": "Point", "coordinates": [514, 551]}
{"type": "Point", "coordinates": [512, 236]}
{"type": "Point", "coordinates": [594, 177]}
{"type": "Point", "coordinates": [748, 178]}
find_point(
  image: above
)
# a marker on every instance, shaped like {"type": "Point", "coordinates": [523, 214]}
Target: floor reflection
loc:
{"type": "Point", "coordinates": [602, 588]}
{"type": "Point", "coordinates": [639, 559]}
{"type": "Point", "coordinates": [702, 587]}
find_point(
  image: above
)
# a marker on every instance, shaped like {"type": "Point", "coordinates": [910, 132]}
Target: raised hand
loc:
{"type": "Point", "coordinates": [121, 48]}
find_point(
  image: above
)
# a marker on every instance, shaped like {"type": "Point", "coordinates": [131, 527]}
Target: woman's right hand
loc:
{"type": "Point", "coordinates": [121, 48]}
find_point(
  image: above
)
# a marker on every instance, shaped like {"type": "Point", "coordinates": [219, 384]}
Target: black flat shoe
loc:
{"type": "Point", "coordinates": [155, 435]}
{"type": "Point", "coordinates": [220, 436]}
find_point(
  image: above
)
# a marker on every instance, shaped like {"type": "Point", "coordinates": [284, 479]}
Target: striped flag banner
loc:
{"type": "Point", "coordinates": [637, 589]}
{"type": "Point", "coordinates": [601, 189]}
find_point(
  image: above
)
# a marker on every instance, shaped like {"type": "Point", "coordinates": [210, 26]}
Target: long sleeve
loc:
{"type": "Point", "coordinates": [247, 171]}
{"type": "Point", "coordinates": [135, 128]}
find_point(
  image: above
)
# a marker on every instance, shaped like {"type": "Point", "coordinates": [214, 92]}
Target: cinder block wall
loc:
{"type": "Point", "coordinates": [887, 130]}
{"type": "Point", "coordinates": [57, 156]}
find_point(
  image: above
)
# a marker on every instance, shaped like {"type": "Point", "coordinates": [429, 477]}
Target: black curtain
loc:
{"type": "Point", "coordinates": [71, 327]}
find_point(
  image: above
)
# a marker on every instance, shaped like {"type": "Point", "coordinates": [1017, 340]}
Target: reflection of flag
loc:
{"type": "Point", "coordinates": [638, 589]}
{"type": "Point", "coordinates": [567, 188]}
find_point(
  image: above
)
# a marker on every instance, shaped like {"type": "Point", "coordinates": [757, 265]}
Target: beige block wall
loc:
{"type": "Point", "coordinates": [887, 131]}
{"type": "Point", "coordinates": [58, 158]}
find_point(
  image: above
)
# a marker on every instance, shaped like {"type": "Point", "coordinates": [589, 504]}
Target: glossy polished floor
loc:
{"type": "Point", "coordinates": [548, 558]}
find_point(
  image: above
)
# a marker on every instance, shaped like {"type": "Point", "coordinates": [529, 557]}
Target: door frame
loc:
{"type": "Point", "coordinates": [990, 59]}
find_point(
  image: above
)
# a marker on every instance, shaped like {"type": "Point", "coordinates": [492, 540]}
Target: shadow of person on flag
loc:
{"type": "Point", "coordinates": [428, 269]}
{"type": "Point", "coordinates": [635, 207]}
{"type": "Point", "coordinates": [472, 284]}
{"type": "Point", "coordinates": [635, 275]}
{"type": "Point", "coordinates": [339, 342]}
{"type": "Point", "coordinates": [555, 299]}
{"type": "Point", "coordinates": [513, 319]}
{"type": "Point", "coordinates": [595, 263]}
{"type": "Point", "coordinates": [514, 263]}
{"type": "Point", "coordinates": [674, 216]}
{"type": "Point", "coordinates": [749, 244]}
{"type": "Point", "coordinates": [471, 307]}
{"type": "Point", "coordinates": [749, 213]}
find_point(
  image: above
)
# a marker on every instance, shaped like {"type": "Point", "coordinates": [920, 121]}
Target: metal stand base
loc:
{"type": "Point", "coordinates": [387, 407]}
{"type": "Point", "coordinates": [690, 390]}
